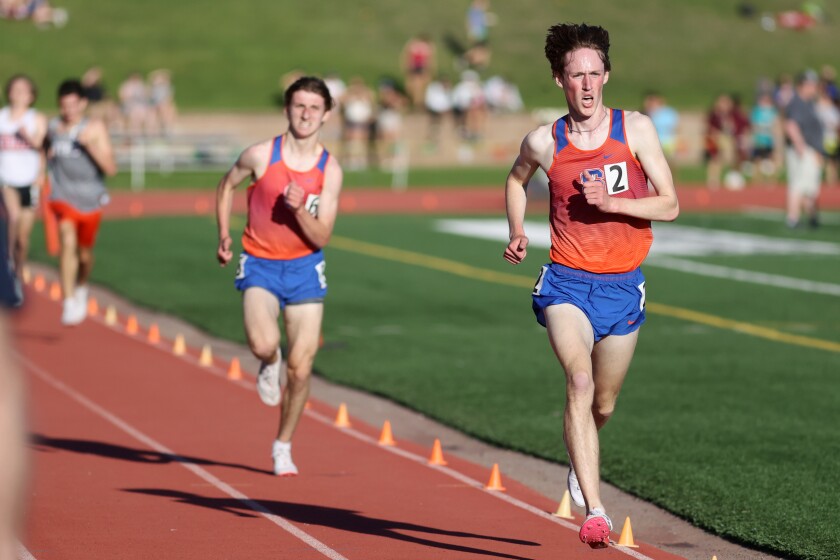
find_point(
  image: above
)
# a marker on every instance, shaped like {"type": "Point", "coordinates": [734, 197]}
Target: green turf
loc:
{"type": "Point", "coordinates": [732, 432]}
{"type": "Point", "coordinates": [227, 56]}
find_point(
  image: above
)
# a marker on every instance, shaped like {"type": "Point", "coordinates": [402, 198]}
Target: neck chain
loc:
{"type": "Point", "coordinates": [591, 129]}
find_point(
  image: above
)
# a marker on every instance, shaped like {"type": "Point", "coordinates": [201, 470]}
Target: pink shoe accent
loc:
{"type": "Point", "coordinates": [595, 532]}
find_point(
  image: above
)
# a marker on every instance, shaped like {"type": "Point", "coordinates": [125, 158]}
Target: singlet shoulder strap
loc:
{"type": "Point", "coordinates": [617, 127]}
{"type": "Point", "coordinates": [559, 133]}
{"type": "Point", "coordinates": [322, 163]}
{"type": "Point", "coordinates": [276, 150]}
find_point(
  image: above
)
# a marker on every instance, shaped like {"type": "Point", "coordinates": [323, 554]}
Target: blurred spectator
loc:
{"type": "Point", "coordinates": [665, 121]}
{"type": "Point", "coordinates": [357, 112]}
{"type": "Point", "coordinates": [828, 75]}
{"type": "Point", "coordinates": [336, 86]}
{"type": "Point", "coordinates": [502, 96]}
{"type": "Point", "coordinates": [479, 20]}
{"type": "Point", "coordinates": [161, 102]}
{"type": "Point", "coordinates": [469, 105]}
{"type": "Point", "coordinates": [389, 121]}
{"type": "Point", "coordinates": [134, 103]}
{"type": "Point", "coordinates": [41, 12]}
{"type": "Point", "coordinates": [784, 91]}
{"type": "Point", "coordinates": [804, 150]}
{"type": "Point", "coordinates": [741, 122]}
{"type": "Point", "coordinates": [419, 64]}
{"type": "Point", "coordinates": [477, 56]}
{"type": "Point", "coordinates": [829, 116]}
{"type": "Point", "coordinates": [765, 124]}
{"type": "Point", "coordinates": [438, 105]}
{"type": "Point", "coordinates": [100, 104]}
{"type": "Point", "coordinates": [720, 144]}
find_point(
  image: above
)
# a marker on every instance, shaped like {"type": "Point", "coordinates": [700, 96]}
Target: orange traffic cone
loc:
{"type": "Point", "coordinates": [154, 334]}
{"type": "Point", "coordinates": [626, 538]}
{"type": "Point", "coordinates": [307, 406]}
{"type": "Point", "coordinates": [39, 283]}
{"type": "Point", "coordinates": [495, 479]}
{"type": "Point", "coordinates": [342, 420]}
{"type": "Point", "coordinates": [111, 316]}
{"type": "Point", "coordinates": [387, 438]}
{"type": "Point", "coordinates": [131, 325]}
{"type": "Point", "coordinates": [234, 372]}
{"type": "Point", "coordinates": [206, 358]}
{"type": "Point", "coordinates": [55, 291]}
{"type": "Point", "coordinates": [93, 307]}
{"type": "Point", "coordinates": [564, 510]}
{"type": "Point", "coordinates": [437, 454]}
{"type": "Point", "coordinates": [179, 348]}
{"type": "Point", "coordinates": [26, 275]}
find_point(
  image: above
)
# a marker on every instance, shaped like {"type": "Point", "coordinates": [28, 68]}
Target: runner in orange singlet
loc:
{"type": "Point", "coordinates": [292, 206]}
{"type": "Point", "coordinates": [591, 296]}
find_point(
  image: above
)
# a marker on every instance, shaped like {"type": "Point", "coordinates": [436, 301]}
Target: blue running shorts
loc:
{"type": "Point", "coordinates": [291, 281]}
{"type": "Point", "coordinates": [613, 303]}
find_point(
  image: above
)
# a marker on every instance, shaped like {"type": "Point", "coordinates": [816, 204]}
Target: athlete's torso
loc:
{"type": "Point", "coordinates": [19, 162]}
{"type": "Point", "coordinates": [272, 231]}
{"type": "Point", "coordinates": [582, 236]}
{"type": "Point", "coordinates": [74, 177]}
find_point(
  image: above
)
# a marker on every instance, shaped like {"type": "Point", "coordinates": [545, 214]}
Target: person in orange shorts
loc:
{"type": "Point", "coordinates": [591, 296]}
{"type": "Point", "coordinates": [79, 156]}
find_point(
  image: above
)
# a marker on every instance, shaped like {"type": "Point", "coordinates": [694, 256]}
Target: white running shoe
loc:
{"type": "Point", "coordinates": [282, 454]}
{"type": "Point", "coordinates": [574, 487]}
{"type": "Point", "coordinates": [268, 381]}
{"type": "Point", "coordinates": [81, 296]}
{"type": "Point", "coordinates": [71, 313]}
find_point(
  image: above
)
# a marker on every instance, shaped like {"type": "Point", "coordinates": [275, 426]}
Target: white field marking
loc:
{"type": "Point", "coordinates": [353, 433]}
{"type": "Point", "coordinates": [192, 467]}
{"type": "Point", "coordinates": [669, 239]}
{"type": "Point", "coordinates": [23, 554]}
{"type": "Point", "coordinates": [463, 479]}
{"type": "Point", "coordinates": [687, 241]}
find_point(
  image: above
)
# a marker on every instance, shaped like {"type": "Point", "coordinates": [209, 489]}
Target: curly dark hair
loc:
{"type": "Point", "coordinates": [564, 38]}
{"type": "Point", "coordinates": [312, 85]}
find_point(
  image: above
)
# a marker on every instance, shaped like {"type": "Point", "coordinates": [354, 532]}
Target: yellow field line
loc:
{"type": "Point", "coordinates": [475, 273]}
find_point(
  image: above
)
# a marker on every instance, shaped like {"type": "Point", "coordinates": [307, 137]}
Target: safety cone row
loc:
{"type": "Point", "coordinates": [386, 438]}
{"type": "Point", "coordinates": [26, 275]}
{"type": "Point", "coordinates": [93, 307]}
{"type": "Point", "coordinates": [39, 283]}
{"type": "Point", "coordinates": [55, 291]}
{"type": "Point", "coordinates": [179, 347]}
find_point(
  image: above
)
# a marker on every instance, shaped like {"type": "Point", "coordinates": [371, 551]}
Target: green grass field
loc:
{"type": "Point", "coordinates": [226, 56]}
{"type": "Point", "coordinates": [728, 417]}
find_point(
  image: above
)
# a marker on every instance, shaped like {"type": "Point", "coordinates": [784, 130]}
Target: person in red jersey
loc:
{"type": "Point", "coordinates": [608, 179]}
{"type": "Point", "coordinates": [292, 207]}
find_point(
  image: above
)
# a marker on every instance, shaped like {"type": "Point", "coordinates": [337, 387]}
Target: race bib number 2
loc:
{"type": "Point", "coordinates": [614, 176]}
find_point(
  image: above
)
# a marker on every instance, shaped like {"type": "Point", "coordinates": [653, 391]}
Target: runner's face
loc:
{"type": "Point", "coordinates": [306, 113]}
{"type": "Point", "coordinates": [583, 81]}
{"type": "Point", "coordinates": [71, 108]}
{"type": "Point", "coordinates": [20, 94]}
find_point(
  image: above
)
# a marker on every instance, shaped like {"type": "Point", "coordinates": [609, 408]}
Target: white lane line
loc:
{"type": "Point", "coordinates": [460, 477]}
{"type": "Point", "coordinates": [740, 275]}
{"type": "Point", "coordinates": [192, 467]}
{"type": "Point", "coordinates": [23, 554]}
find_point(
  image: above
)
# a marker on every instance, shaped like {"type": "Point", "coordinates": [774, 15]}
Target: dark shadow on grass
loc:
{"type": "Point", "coordinates": [88, 447]}
{"type": "Point", "coordinates": [342, 519]}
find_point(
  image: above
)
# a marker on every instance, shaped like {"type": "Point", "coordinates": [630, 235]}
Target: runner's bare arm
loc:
{"type": "Point", "coordinates": [96, 141]}
{"type": "Point", "coordinates": [318, 228]}
{"type": "Point", "coordinates": [531, 153]}
{"type": "Point", "coordinates": [36, 139]}
{"type": "Point", "coordinates": [245, 166]}
{"type": "Point", "coordinates": [644, 142]}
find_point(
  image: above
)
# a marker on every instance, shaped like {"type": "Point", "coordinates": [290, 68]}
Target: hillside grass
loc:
{"type": "Point", "coordinates": [230, 56]}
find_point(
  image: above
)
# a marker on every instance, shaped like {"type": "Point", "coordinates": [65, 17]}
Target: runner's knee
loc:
{"type": "Point", "coordinates": [263, 347]}
{"type": "Point", "coordinates": [580, 387]}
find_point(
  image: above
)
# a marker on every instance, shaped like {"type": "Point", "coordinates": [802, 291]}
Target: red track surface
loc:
{"type": "Point", "coordinates": [125, 204]}
{"type": "Point", "coordinates": [139, 453]}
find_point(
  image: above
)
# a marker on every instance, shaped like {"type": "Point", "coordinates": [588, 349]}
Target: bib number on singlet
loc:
{"type": "Point", "coordinates": [616, 178]}
{"type": "Point", "coordinates": [311, 204]}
